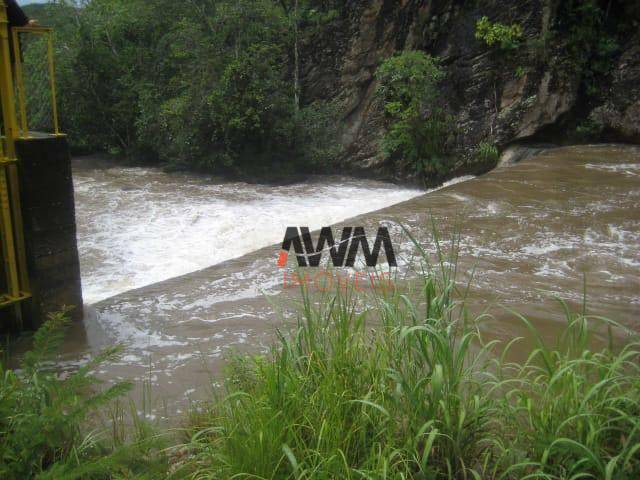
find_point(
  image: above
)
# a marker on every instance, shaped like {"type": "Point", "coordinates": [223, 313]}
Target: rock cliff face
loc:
{"type": "Point", "coordinates": [534, 93]}
{"type": "Point", "coordinates": [619, 115]}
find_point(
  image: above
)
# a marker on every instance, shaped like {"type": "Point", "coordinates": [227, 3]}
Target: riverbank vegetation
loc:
{"type": "Point", "coordinates": [232, 86]}
{"type": "Point", "coordinates": [398, 385]}
{"type": "Point", "coordinates": [203, 85]}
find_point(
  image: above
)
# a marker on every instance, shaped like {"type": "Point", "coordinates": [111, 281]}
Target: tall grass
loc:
{"type": "Point", "coordinates": [399, 384]}
{"type": "Point", "coordinates": [574, 412]}
{"type": "Point", "coordinates": [403, 386]}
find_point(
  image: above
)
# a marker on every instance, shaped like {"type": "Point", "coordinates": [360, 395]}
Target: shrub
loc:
{"type": "Point", "coordinates": [487, 152]}
{"type": "Point", "coordinates": [252, 108]}
{"type": "Point", "coordinates": [43, 415]}
{"type": "Point", "coordinates": [588, 130]}
{"type": "Point", "coordinates": [507, 37]}
{"type": "Point", "coordinates": [420, 132]}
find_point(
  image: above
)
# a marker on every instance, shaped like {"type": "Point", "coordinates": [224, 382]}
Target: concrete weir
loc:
{"type": "Point", "coordinates": [48, 215]}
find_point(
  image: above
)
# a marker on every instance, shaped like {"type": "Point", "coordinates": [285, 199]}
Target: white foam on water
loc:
{"type": "Point", "coordinates": [454, 181]}
{"type": "Point", "coordinates": [139, 226]}
{"type": "Point", "coordinates": [546, 248]}
{"type": "Point", "coordinates": [628, 169]}
{"type": "Point", "coordinates": [130, 334]}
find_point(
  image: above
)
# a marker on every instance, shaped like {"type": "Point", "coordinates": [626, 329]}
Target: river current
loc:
{"type": "Point", "coordinates": [181, 269]}
{"type": "Point", "coordinates": [139, 226]}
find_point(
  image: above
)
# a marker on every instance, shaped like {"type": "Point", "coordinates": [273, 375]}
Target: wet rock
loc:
{"type": "Point", "coordinates": [547, 106]}
{"type": "Point", "coordinates": [619, 116]}
{"type": "Point", "coordinates": [517, 153]}
{"type": "Point", "coordinates": [513, 91]}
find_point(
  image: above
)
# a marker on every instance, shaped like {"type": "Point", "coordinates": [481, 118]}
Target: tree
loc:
{"type": "Point", "coordinates": [200, 84]}
{"type": "Point", "coordinates": [419, 130]}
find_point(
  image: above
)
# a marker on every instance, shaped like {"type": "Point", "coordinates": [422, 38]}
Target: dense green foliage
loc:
{"type": "Point", "coordinates": [200, 84]}
{"type": "Point", "coordinates": [507, 37]}
{"type": "Point", "coordinates": [420, 131]}
{"type": "Point", "coordinates": [44, 415]}
{"type": "Point", "coordinates": [216, 84]}
{"type": "Point", "coordinates": [591, 42]}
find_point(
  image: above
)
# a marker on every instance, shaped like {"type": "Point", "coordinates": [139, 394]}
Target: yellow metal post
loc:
{"type": "Point", "coordinates": [8, 245]}
{"type": "Point", "coordinates": [6, 84]}
{"type": "Point", "coordinates": [52, 80]}
{"type": "Point", "coordinates": [6, 90]}
{"type": "Point", "coordinates": [22, 97]}
{"type": "Point", "coordinates": [10, 212]}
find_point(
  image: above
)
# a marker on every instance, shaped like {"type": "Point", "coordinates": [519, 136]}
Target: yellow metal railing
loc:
{"type": "Point", "coordinates": [14, 287]}
{"type": "Point", "coordinates": [22, 95]}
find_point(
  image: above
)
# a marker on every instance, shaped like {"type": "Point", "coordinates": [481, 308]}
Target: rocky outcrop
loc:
{"type": "Point", "coordinates": [619, 116]}
{"type": "Point", "coordinates": [495, 96]}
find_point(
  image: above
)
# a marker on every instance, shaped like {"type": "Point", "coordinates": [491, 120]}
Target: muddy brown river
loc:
{"type": "Point", "coordinates": [530, 231]}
